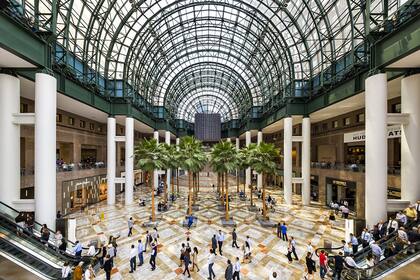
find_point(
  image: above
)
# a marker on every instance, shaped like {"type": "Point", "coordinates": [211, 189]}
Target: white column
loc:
{"type": "Point", "coordinates": [9, 139]}
{"type": "Point", "coordinates": [306, 161]}
{"type": "Point", "coordinates": [111, 158]}
{"type": "Point", "coordinates": [287, 160]}
{"type": "Point", "coordinates": [129, 160]}
{"type": "Point", "coordinates": [410, 137]}
{"type": "Point", "coordinates": [376, 149]}
{"type": "Point", "coordinates": [155, 173]}
{"type": "Point", "coordinates": [168, 172]}
{"type": "Point", "coordinates": [259, 176]}
{"type": "Point", "coordinates": [248, 170]}
{"type": "Point", "coordinates": [228, 139]}
{"type": "Point", "coordinates": [237, 144]}
{"type": "Point", "coordinates": [45, 149]}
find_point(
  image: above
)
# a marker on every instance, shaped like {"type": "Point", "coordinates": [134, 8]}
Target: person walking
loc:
{"type": "Point", "coordinates": [284, 232]}
{"type": "Point", "coordinates": [130, 226]}
{"type": "Point", "coordinates": [195, 259]}
{"type": "Point", "coordinates": [153, 255]}
{"type": "Point", "coordinates": [140, 250]}
{"type": "Point", "coordinates": [155, 234]}
{"type": "Point", "coordinates": [148, 240]}
{"type": "Point", "coordinates": [338, 265]}
{"type": "Point", "coordinates": [310, 266]}
{"type": "Point", "coordinates": [220, 239]}
{"type": "Point", "coordinates": [293, 242]}
{"type": "Point", "coordinates": [214, 243]}
{"type": "Point", "coordinates": [236, 269]}
{"type": "Point", "coordinates": [107, 267]}
{"type": "Point", "coordinates": [133, 256]}
{"type": "Point", "coordinates": [211, 259]}
{"type": "Point", "coordinates": [187, 261]}
{"type": "Point", "coordinates": [234, 238]}
{"type": "Point", "coordinates": [322, 264]}
{"type": "Point", "coordinates": [181, 256]}
{"type": "Point", "coordinates": [229, 271]}
{"type": "Point", "coordinates": [289, 251]}
{"type": "Point", "coordinates": [279, 230]}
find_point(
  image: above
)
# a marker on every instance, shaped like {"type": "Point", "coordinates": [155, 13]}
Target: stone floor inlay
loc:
{"type": "Point", "coordinates": [305, 223]}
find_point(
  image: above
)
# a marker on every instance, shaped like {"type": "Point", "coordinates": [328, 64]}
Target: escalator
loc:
{"type": "Point", "coordinates": [24, 246]}
{"type": "Point", "coordinates": [387, 264]}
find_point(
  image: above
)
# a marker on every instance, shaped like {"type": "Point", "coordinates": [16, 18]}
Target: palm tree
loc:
{"type": "Point", "coordinates": [169, 155]}
{"type": "Point", "coordinates": [223, 160]}
{"type": "Point", "coordinates": [173, 163]}
{"type": "Point", "coordinates": [150, 157]}
{"type": "Point", "coordinates": [192, 158]}
{"type": "Point", "coordinates": [264, 161]}
{"type": "Point", "coordinates": [244, 160]}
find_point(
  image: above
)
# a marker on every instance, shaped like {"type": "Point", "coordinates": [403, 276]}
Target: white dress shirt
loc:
{"type": "Point", "coordinates": [237, 267]}
{"type": "Point", "coordinates": [133, 253]}
{"type": "Point", "coordinates": [220, 237]}
{"type": "Point", "coordinates": [211, 258]}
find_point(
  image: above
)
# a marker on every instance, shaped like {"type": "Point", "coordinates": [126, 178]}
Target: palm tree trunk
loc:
{"type": "Point", "coordinates": [198, 182]}
{"type": "Point", "coordinates": [153, 197]}
{"type": "Point", "coordinates": [218, 182]}
{"type": "Point", "coordinates": [237, 181]}
{"type": "Point", "coordinates": [245, 183]}
{"type": "Point", "coordinates": [172, 184]}
{"type": "Point", "coordinates": [177, 181]}
{"type": "Point", "coordinates": [250, 187]}
{"type": "Point", "coordinates": [189, 194]}
{"type": "Point", "coordinates": [264, 179]}
{"type": "Point", "coordinates": [223, 189]}
{"type": "Point", "coordinates": [227, 199]}
{"type": "Point", "coordinates": [165, 187]}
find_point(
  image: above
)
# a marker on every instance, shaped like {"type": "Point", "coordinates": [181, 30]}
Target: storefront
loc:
{"type": "Point", "coordinates": [340, 190]}
{"type": "Point", "coordinates": [314, 188]}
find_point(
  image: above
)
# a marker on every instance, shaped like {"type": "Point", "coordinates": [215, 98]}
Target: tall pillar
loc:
{"type": "Point", "coordinates": [129, 160]}
{"type": "Point", "coordinates": [9, 139]}
{"type": "Point", "coordinates": [110, 161]}
{"type": "Point", "coordinates": [168, 172]}
{"type": "Point", "coordinates": [248, 170]}
{"type": "Point", "coordinates": [228, 139]}
{"type": "Point", "coordinates": [45, 149]}
{"type": "Point", "coordinates": [410, 137]}
{"type": "Point", "coordinates": [376, 148]}
{"type": "Point", "coordinates": [287, 160]}
{"type": "Point", "coordinates": [306, 161]}
{"type": "Point", "coordinates": [155, 173]}
{"type": "Point", "coordinates": [259, 176]}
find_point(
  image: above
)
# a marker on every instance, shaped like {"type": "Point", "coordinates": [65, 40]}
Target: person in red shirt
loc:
{"type": "Point", "coordinates": [322, 264]}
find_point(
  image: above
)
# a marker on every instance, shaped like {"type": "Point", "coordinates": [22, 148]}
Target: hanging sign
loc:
{"type": "Point", "coordinates": [357, 136]}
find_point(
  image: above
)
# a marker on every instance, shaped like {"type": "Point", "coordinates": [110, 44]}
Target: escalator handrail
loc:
{"type": "Point", "coordinates": [381, 262]}
{"type": "Point", "coordinates": [327, 249]}
{"type": "Point", "coordinates": [51, 247]}
{"type": "Point", "coordinates": [40, 225]}
{"type": "Point", "coordinates": [27, 253]}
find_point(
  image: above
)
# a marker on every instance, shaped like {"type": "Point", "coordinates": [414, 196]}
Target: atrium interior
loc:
{"type": "Point", "coordinates": [209, 139]}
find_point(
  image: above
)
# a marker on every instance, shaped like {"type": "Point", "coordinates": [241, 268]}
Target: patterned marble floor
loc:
{"type": "Point", "coordinates": [304, 224]}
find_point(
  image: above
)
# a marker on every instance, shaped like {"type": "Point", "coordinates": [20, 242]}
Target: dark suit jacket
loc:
{"type": "Point", "coordinates": [213, 242]}
{"type": "Point", "coordinates": [229, 272]}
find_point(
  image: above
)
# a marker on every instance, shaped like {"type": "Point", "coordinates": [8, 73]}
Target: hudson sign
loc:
{"type": "Point", "coordinates": [357, 136]}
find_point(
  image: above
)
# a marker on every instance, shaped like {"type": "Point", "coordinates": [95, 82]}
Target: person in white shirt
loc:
{"type": "Point", "coordinates": [155, 234]}
{"type": "Point", "coordinates": [401, 218]}
{"type": "Point", "coordinates": [310, 248]}
{"type": "Point", "coordinates": [58, 239]}
{"type": "Point", "coordinates": [211, 259]}
{"type": "Point", "coordinates": [91, 251]}
{"type": "Point", "coordinates": [366, 238]}
{"type": "Point", "coordinates": [89, 273]}
{"type": "Point", "coordinates": [140, 250]}
{"type": "Point", "coordinates": [391, 226]}
{"type": "Point", "coordinates": [376, 251]}
{"type": "Point", "coordinates": [78, 249]}
{"type": "Point", "coordinates": [65, 271]}
{"type": "Point", "coordinates": [402, 235]}
{"type": "Point", "coordinates": [350, 262]}
{"type": "Point", "coordinates": [220, 238]}
{"type": "Point", "coordinates": [130, 226]}
{"type": "Point", "coordinates": [133, 256]}
{"type": "Point", "coordinates": [236, 269]}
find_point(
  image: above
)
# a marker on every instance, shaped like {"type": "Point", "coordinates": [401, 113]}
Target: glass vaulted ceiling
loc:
{"type": "Point", "coordinates": [216, 56]}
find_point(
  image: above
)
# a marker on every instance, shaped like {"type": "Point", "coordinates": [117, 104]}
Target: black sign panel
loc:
{"type": "Point", "coordinates": [207, 127]}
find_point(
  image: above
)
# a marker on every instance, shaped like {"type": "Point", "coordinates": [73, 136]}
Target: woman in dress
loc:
{"type": "Point", "coordinates": [310, 266]}
{"type": "Point", "coordinates": [58, 239]}
{"type": "Point", "coordinates": [194, 259]}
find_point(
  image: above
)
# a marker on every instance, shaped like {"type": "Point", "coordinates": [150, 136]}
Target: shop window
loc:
{"type": "Point", "coordinates": [335, 124]}
{"type": "Point", "coordinates": [346, 121]}
{"type": "Point", "coordinates": [59, 118]}
{"type": "Point", "coordinates": [71, 121]}
{"type": "Point", "coordinates": [82, 124]}
{"type": "Point", "coordinates": [360, 118]}
{"type": "Point", "coordinates": [23, 108]}
{"type": "Point", "coordinates": [92, 126]}
{"type": "Point", "coordinates": [396, 108]}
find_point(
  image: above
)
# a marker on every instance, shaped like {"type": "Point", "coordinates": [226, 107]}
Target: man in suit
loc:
{"type": "Point", "coordinates": [220, 239]}
{"type": "Point", "coordinates": [214, 244]}
{"type": "Point", "coordinates": [229, 271]}
{"type": "Point", "coordinates": [234, 238]}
